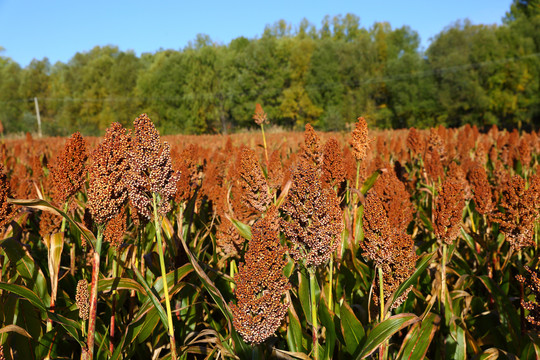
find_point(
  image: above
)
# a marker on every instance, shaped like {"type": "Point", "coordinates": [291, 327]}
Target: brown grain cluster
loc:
{"type": "Point", "coordinates": [314, 219]}
{"type": "Point", "coordinates": [228, 239]}
{"type": "Point", "coordinates": [395, 199]}
{"type": "Point", "coordinates": [388, 246]}
{"type": "Point", "coordinates": [150, 169]}
{"type": "Point", "coordinates": [107, 191]}
{"type": "Point", "coordinates": [416, 142]}
{"type": "Point", "coordinates": [533, 283]}
{"type": "Point", "coordinates": [448, 210]}
{"type": "Point", "coordinates": [69, 170]}
{"type": "Point", "coordinates": [115, 229]}
{"type": "Point", "coordinates": [6, 209]}
{"type": "Point", "coordinates": [82, 299]}
{"type": "Point", "coordinates": [311, 149]}
{"type": "Point", "coordinates": [360, 141]}
{"type": "Point", "coordinates": [260, 283]}
{"type": "Point", "coordinates": [275, 171]}
{"type": "Point", "coordinates": [49, 223]}
{"type": "Point", "coordinates": [213, 186]}
{"type": "Point", "coordinates": [517, 212]}
{"type": "Point", "coordinates": [188, 168]}
{"type": "Point", "coordinates": [255, 191]}
{"type": "Point", "coordinates": [333, 169]}
{"type": "Point", "coordinates": [260, 116]}
{"type": "Point", "coordinates": [483, 197]}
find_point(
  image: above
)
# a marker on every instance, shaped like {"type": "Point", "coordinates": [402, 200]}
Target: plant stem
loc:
{"type": "Point", "coordinates": [443, 280]}
{"type": "Point", "coordinates": [265, 149]}
{"type": "Point", "coordinates": [383, 349]}
{"type": "Point", "coordinates": [164, 277]}
{"type": "Point", "coordinates": [113, 307]}
{"type": "Point", "coordinates": [93, 295]}
{"type": "Point", "coordinates": [330, 283]}
{"type": "Point", "coordinates": [381, 293]}
{"type": "Point", "coordinates": [312, 284]}
{"type": "Point", "coordinates": [355, 200]}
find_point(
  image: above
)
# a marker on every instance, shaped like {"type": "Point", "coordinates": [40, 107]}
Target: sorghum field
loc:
{"type": "Point", "coordinates": [404, 244]}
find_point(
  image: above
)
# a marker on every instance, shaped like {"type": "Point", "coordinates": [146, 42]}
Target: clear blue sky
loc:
{"type": "Point", "coordinates": [57, 29]}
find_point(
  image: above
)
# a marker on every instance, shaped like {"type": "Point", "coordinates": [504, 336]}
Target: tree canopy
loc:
{"type": "Point", "coordinates": [326, 76]}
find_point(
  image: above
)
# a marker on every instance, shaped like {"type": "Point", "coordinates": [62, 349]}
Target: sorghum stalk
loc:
{"type": "Point", "coordinates": [265, 147]}
{"type": "Point", "coordinates": [383, 350]}
{"type": "Point", "coordinates": [113, 307]}
{"type": "Point", "coordinates": [164, 276]}
{"type": "Point", "coordinates": [330, 281]}
{"type": "Point", "coordinates": [443, 278]}
{"type": "Point", "coordinates": [355, 199]}
{"type": "Point", "coordinates": [312, 284]}
{"type": "Point", "coordinates": [381, 292]}
{"type": "Point", "coordinates": [93, 295]}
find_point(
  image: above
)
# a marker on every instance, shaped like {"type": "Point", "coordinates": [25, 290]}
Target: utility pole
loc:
{"type": "Point", "coordinates": [38, 117]}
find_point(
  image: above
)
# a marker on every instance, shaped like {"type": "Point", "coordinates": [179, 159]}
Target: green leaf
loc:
{"type": "Point", "coordinates": [71, 326]}
{"type": "Point", "coordinates": [530, 352]}
{"type": "Point", "coordinates": [17, 329]}
{"type": "Point", "coordinates": [352, 329]}
{"type": "Point", "coordinates": [327, 320]}
{"type": "Point", "coordinates": [456, 346]}
{"type": "Point", "coordinates": [26, 294]}
{"type": "Point", "coordinates": [507, 312]}
{"type": "Point", "coordinates": [26, 267]}
{"type": "Point", "coordinates": [118, 283]}
{"type": "Point", "coordinates": [383, 331]}
{"type": "Point", "coordinates": [153, 298]}
{"type": "Point", "coordinates": [421, 265]}
{"type": "Point", "coordinates": [55, 244]}
{"type": "Point", "coordinates": [294, 332]}
{"type": "Point", "coordinates": [242, 349]}
{"type": "Point", "coordinates": [46, 206]}
{"type": "Point", "coordinates": [172, 277]}
{"type": "Point", "coordinates": [416, 343]}
{"type": "Point", "coordinates": [243, 229]}
{"type": "Point", "coordinates": [370, 181]}
{"type": "Point", "coordinates": [494, 354]}
{"type": "Point", "coordinates": [303, 293]}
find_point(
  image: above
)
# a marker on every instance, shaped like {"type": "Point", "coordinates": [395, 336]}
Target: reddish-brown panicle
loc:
{"type": "Point", "coordinates": [150, 169]}
{"type": "Point", "coordinates": [395, 199]}
{"type": "Point", "coordinates": [388, 246]}
{"type": "Point", "coordinates": [69, 170]}
{"type": "Point", "coordinates": [115, 229]}
{"type": "Point", "coordinates": [82, 299]}
{"type": "Point", "coordinates": [260, 283]}
{"type": "Point", "coordinates": [533, 283]}
{"type": "Point", "coordinates": [448, 210]}
{"type": "Point", "coordinates": [189, 178]}
{"type": "Point", "coordinates": [6, 209]}
{"type": "Point", "coordinates": [360, 141]}
{"type": "Point", "coordinates": [311, 149]}
{"type": "Point", "coordinates": [314, 218]}
{"type": "Point", "coordinates": [333, 169]}
{"type": "Point", "coordinates": [416, 142]}
{"type": "Point", "coordinates": [517, 212]}
{"type": "Point", "coordinates": [255, 192]}
{"type": "Point", "coordinates": [483, 197]}
{"type": "Point", "coordinates": [228, 238]}
{"type": "Point", "coordinates": [260, 116]}
{"type": "Point", "coordinates": [107, 191]}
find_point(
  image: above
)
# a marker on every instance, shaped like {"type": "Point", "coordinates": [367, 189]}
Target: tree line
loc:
{"type": "Point", "coordinates": [325, 76]}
